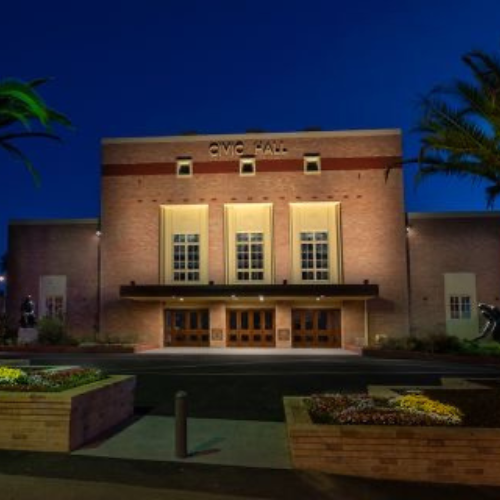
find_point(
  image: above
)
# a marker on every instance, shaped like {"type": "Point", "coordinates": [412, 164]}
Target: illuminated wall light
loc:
{"type": "Point", "coordinates": [261, 298]}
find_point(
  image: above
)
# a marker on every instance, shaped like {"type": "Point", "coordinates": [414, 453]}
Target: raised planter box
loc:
{"type": "Point", "coordinates": [64, 421]}
{"type": "Point", "coordinates": [453, 358]}
{"type": "Point", "coordinates": [102, 348]}
{"type": "Point", "coordinates": [444, 455]}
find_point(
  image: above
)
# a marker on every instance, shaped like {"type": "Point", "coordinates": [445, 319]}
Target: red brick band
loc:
{"type": "Point", "coordinates": [232, 167]}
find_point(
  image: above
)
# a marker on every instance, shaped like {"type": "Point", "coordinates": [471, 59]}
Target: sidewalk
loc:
{"type": "Point", "coordinates": [59, 476]}
{"type": "Point", "coordinates": [240, 443]}
{"type": "Point", "coordinates": [37, 488]}
{"type": "Point", "coordinates": [245, 351]}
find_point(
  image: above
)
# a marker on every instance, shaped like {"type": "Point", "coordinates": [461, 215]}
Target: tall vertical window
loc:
{"type": "Point", "coordinates": [314, 256]}
{"type": "Point", "coordinates": [249, 256]}
{"type": "Point", "coordinates": [186, 257]}
{"type": "Point", "coordinates": [460, 307]}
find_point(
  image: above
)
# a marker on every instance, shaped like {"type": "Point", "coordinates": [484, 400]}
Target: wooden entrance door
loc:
{"type": "Point", "coordinates": [250, 328]}
{"type": "Point", "coordinates": [187, 327]}
{"type": "Point", "coordinates": [316, 328]}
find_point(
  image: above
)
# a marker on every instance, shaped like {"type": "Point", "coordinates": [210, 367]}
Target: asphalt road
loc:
{"type": "Point", "coordinates": [252, 387]}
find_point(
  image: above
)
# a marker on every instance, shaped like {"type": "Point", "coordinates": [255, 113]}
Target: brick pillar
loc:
{"type": "Point", "coordinates": [218, 324]}
{"type": "Point", "coordinates": [353, 324]}
{"type": "Point", "coordinates": [283, 324]}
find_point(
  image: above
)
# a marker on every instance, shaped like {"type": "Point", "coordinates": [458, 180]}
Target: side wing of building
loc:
{"type": "Point", "coordinates": [56, 262]}
{"type": "Point", "coordinates": [454, 265]}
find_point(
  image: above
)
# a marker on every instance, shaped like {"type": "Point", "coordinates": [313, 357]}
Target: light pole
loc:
{"type": "Point", "coordinates": [3, 280]}
{"type": "Point", "coordinates": [98, 234]}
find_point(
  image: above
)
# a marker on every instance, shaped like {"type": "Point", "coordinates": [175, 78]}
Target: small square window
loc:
{"type": "Point", "coordinates": [184, 167]}
{"type": "Point", "coordinates": [312, 164]}
{"type": "Point", "coordinates": [247, 166]}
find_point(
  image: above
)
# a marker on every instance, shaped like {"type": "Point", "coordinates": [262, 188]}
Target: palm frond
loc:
{"type": "Point", "coordinates": [20, 104]}
{"type": "Point", "coordinates": [17, 153]}
{"type": "Point", "coordinates": [20, 96]}
{"type": "Point", "coordinates": [492, 193]}
{"type": "Point", "coordinates": [29, 135]}
{"type": "Point", "coordinates": [485, 68]}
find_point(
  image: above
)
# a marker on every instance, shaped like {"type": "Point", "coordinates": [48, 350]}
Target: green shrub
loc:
{"type": "Point", "coordinates": [480, 348]}
{"type": "Point", "coordinates": [51, 331]}
{"type": "Point", "coordinates": [441, 344]}
{"type": "Point", "coordinates": [395, 343]}
{"type": "Point", "coordinates": [8, 335]}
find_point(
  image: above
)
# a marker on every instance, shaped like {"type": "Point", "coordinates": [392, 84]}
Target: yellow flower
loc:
{"type": "Point", "coordinates": [8, 374]}
{"type": "Point", "coordinates": [422, 403]}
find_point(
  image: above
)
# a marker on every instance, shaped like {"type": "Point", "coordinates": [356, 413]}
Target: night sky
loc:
{"type": "Point", "coordinates": [146, 68]}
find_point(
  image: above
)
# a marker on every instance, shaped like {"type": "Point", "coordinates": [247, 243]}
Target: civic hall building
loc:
{"type": "Point", "coordinates": [257, 240]}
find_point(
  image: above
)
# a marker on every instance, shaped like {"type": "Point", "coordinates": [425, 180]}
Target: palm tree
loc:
{"type": "Point", "coordinates": [21, 108]}
{"type": "Point", "coordinates": [460, 127]}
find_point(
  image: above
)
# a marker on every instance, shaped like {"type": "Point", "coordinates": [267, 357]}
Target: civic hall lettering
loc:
{"type": "Point", "coordinates": [239, 148]}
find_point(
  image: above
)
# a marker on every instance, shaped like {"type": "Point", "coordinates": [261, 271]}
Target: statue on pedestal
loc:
{"type": "Point", "coordinates": [28, 318]}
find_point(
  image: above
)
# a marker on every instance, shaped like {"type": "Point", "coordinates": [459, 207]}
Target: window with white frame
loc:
{"type": "Point", "coordinates": [184, 167]}
{"type": "Point", "coordinates": [314, 256]}
{"type": "Point", "coordinates": [460, 307]}
{"type": "Point", "coordinates": [54, 306]}
{"type": "Point", "coordinates": [186, 261]}
{"type": "Point", "coordinates": [247, 166]}
{"type": "Point", "coordinates": [312, 164]}
{"type": "Point", "coordinates": [249, 256]}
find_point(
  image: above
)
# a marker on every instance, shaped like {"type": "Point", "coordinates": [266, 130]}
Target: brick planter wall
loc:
{"type": "Point", "coordinates": [65, 420]}
{"type": "Point", "coordinates": [444, 455]}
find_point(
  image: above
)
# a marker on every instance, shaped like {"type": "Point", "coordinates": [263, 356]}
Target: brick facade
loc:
{"type": "Point", "coordinates": [450, 243]}
{"type": "Point", "coordinates": [372, 213]}
{"type": "Point", "coordinates": [139, 176]}
{"type": "Point", "coordinates": [67, 248]}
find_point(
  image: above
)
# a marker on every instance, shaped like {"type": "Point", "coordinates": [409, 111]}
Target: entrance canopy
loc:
{"type": "Point", "coordinates": [228, 292]}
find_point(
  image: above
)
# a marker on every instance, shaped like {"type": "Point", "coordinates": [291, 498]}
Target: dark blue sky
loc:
{"type": "Point", "coordinates": [136, 68]}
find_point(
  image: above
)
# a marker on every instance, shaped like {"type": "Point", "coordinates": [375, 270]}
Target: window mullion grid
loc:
{"type": "Point", "coordinates": [246, 255]}
{"type": "Point", "coordinates": [186, 257]}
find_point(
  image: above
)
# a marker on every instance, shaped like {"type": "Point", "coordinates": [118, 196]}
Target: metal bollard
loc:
{"type": "Point", "coordinates": [181, 424]}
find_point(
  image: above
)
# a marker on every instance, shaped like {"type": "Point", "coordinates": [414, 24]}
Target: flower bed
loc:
{"type": "Point", "coordinates": [443, 453]}
{"type": "Point", "coordinates": [46, 380]}
{"type": "Point", "coordinates": [362, 409]}
{"type": "Point", "coordinates": [60, 410]}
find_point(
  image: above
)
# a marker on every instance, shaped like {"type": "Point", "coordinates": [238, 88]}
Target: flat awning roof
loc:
{"type": "Point", "coordinates": [227, 292]}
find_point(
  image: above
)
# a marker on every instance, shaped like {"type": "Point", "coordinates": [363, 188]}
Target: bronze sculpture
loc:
{"type": "Point", "coordinates": [492, 326]}
{"type": "Point", "coordinates": [28, 318]}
